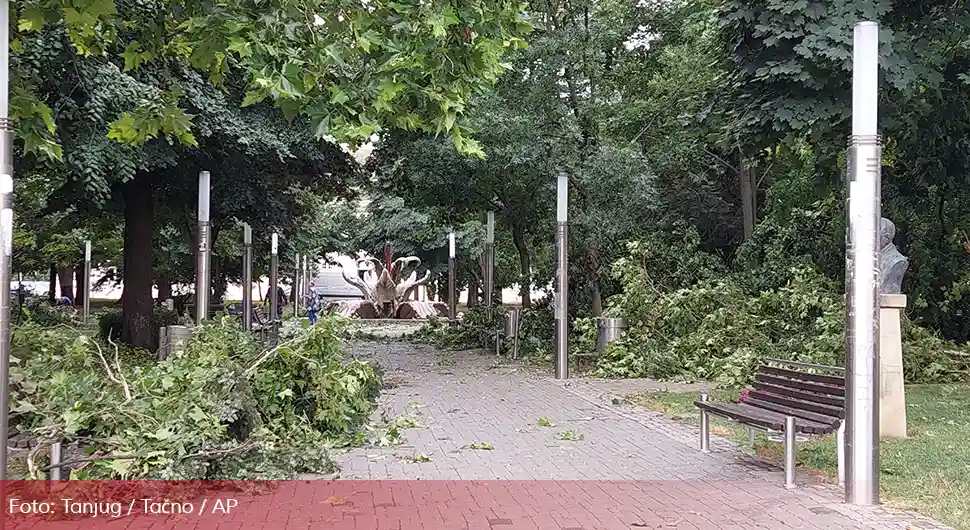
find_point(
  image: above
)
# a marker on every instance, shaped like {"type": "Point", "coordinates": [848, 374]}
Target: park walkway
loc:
{"type": "Point", "coordinates": [478, 419]}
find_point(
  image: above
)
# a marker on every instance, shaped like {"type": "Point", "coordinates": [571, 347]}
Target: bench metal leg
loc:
{"type": "Point", "coordinates": [705, 428]}
{"type": "Point", "coordinates": [840, 448]}
{"type": "Point", "coordinates": [790, 452]}
{"type": "Point", "coordinates": [751, 436]}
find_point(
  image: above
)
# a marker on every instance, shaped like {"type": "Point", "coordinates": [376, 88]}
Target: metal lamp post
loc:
{"type": "Point", "coordinates": [452, 292]}
{"type": "Point", "coordinates": [86, 308]}
{"type": "Point", "coordinates": [202, 270]}
{"type": "Point", "coordinates": [489, 258]}
{"type": "Point", "coordinates": [296, 287]}
{"type": "Point", "coordinates": [247, 279]}
{"type": "Point", "coordinates": [6, 225]}
{"type": "Point", "coordinates": [562, 283]}
{"type": "Point", "coordinates": [862, 274]}
{"type": "Point", "coordinates": [274, 264]}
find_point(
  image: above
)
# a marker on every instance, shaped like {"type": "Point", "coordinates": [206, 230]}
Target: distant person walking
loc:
{"type": "Point", "coordinates": [312, 304]}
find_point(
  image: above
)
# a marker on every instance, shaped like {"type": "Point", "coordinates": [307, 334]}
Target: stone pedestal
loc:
{"type": "Point", "coordinates": [892, 395]}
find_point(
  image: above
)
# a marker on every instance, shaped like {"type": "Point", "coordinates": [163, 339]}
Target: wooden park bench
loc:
{"type": "Point", "coordinates": [791, 398]}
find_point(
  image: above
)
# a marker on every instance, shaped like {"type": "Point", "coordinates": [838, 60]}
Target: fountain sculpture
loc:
{"type": "Point", "coordinates": [387, 290]}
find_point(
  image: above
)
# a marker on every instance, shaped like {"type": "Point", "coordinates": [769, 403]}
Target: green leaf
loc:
{"type": "Point", "coordinates": [337, 95]}
{"type": "Point", "coordinates": [120, 467]}
{"type": "Point", "coordinates": [32, 18]}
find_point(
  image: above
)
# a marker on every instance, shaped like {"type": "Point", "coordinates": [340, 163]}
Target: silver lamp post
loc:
{"type": "Point", "coordinates": [296, 288]}
{"type": "Point", "coordinates": [6, 226]}
{"type": "Point", "coordinates": [862, 274]}
{"type": "Point", "coordinates": [202, 271]}
{"type": "Point", "coordinates": [274, 264]}
{"type": "Point", "coordinates": [86, 308]}
{"type": "Point", "coordinates": [452, 291]}
{"type": "Point", "coordinates": [247, 279]}
{"type": "Point", "coordinates": [562, 282]}
{"type": "Point", "coordinates": [306, 275]}
{"type": "Point", "coordinates": [489, 258]}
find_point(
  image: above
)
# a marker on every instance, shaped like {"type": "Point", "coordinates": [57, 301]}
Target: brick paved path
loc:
{"type": "Point", "coordinates": [466, 398]}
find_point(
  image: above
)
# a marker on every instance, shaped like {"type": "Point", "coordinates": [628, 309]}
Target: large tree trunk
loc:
{"type": "Point", "coordinates": [136, 305]}
{"type": "Point", "coordinates": [164, 289]}
{"type": "Point", "coordinates": [65, 276]}
{"type": "Point", "coordinates": [525, 266]}
{"type": "Point", "coordinates": [218, 282]}
{"type": "Point", "coordinates": [473, 287]}
{"type": "Point", "coordinates": [597, 302]}
{"type": "Point", "coordinates": [592, 257]}
{"type": "Point", "coordinates": [79, 293]}
{"type": "Point", "coordinates": [749, 198]}
{"type": "Point", "coordinates": [52, 284]}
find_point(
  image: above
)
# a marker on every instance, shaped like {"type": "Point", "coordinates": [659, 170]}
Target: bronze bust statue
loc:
{"type": "Point", "coordinates": [892, 264]}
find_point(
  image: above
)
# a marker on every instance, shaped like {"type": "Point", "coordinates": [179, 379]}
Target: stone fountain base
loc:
{"type": "Point", "coordinates": [405, 311]}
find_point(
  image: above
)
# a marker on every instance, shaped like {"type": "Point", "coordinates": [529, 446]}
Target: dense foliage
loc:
{"type": "Point", "coordinates": [703, 328]}
{"type": "Point", "coordinates": [225, 408]}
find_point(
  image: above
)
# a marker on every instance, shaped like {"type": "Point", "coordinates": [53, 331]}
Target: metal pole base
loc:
{"type": "Point", "coordinates": [705, 427]}
{"type": "Point", "coordinates": [790, 452]}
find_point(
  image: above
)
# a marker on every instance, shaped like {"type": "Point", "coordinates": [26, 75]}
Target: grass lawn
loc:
{"type": "Point", "coordinates": [929, 472]}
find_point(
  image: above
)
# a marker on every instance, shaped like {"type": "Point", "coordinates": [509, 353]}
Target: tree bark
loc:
{"type": "Point", "coordinates": [137, 306]}
{"type": "Point", "coordinates": [164, 289]}
{"type": "Point", "coordinates": [749, 198]}
{"type": "Point", "coordinates": [525, 266]}
{"type": "Point", "coordinates": [52, 284]}
{"type": "Point", "coordinates": [473, 288]}
{"type": "Point", "coordinates": [597, 303]}
{"type": "Point", "coordinates": [218, 281]}
{"type": "Point", "coordinates": [79, 293]}
{"type": "Point", "coordinates": [65, 276]}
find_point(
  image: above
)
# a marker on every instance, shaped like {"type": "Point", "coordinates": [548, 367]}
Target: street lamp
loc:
{"type": "Point", "coordinates": [202, 254]}
{"type": "Point", "coordinates": [452, 292]}
{"type": "Point", "coordinates": [562, 283]}
{"type": "Point", "coordinates": [489, 258]}
{"type": "Point", "coordinates": [862, 274]}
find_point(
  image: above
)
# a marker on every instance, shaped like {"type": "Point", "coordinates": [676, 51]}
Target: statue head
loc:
{"type": "Point", "coordinates": [887, 232]}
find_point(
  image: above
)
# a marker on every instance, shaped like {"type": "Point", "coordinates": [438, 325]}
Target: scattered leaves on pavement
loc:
{"type": "Point", "coordinates": [570, 436]}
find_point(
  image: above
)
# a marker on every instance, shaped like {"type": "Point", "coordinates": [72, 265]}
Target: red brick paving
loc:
{"type": "Point", "coordinates": [495, 505]}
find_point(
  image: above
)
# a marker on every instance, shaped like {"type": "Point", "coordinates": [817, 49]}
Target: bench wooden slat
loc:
{"type": "Point", "coordinates": [802, 376]}
{"type": "Point", "coordinates": [832, 401]}
{"type": "Point", "coordinates": [759, 417]}
{"type": "Point", "coordinates": [789, 411]}
{"type": "Point", "coordinates": [795, 404]}
{"type": "Point", "coordinates": [801, 385]}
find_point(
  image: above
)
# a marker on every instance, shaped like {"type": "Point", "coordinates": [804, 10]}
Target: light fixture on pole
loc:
{"type": "Point", "coordinates": [862, 274]}
{"type": "Point", "coordinates": [452, 291]}
{"type": "Point", "coordinates": [489, 258]}
{"type": "Point", "coordinates": [86, 286]}
{"type": "Point", "coordinates": [274, 264]}
{"type": "Point", "coordinates": [562, 283]}
{"type": "Point", "coordinates": [6, 226]}
{"type": "Point", "coordinates": [202, 271]}
{"type": "Point", "coordinates": [247, 279]}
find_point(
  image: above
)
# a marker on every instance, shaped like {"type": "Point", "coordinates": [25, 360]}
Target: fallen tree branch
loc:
{"type": "Point", "coordinates": [90, 459]}
{"type": "Point", "coordinates": [269, 353]}
{"type": "Point", "coordinates": [246, 447]}
{"type": "Point", "coordinates": [121, 376]}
